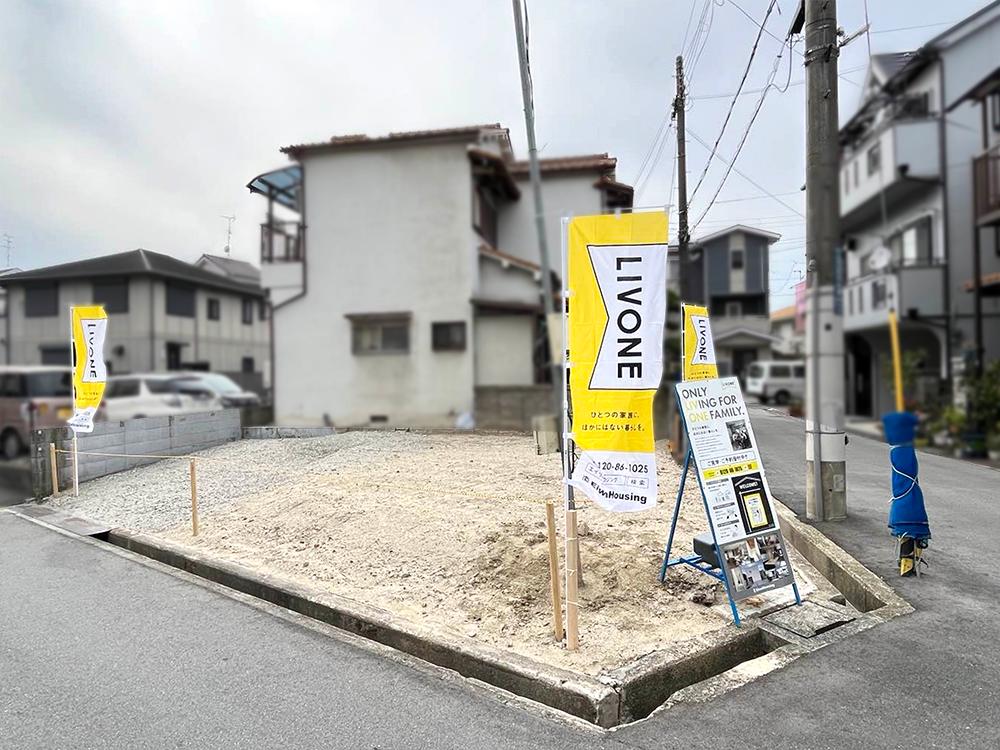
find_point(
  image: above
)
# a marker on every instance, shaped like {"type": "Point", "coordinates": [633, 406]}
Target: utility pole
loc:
{"type": "Point", "coordinates": [826, 455]}
{"type": "Point", "coordinates": [8, 244]}
{"type": "Point", "coordinates": [535, 173]}
{"type": "Point", "coordinates": [682, 202]}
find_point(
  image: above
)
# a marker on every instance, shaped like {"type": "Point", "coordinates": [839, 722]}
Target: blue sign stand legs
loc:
{"type": "Point", "coordinates": [696, 561]}
{"type": "Point", "coordinates": [673, 521]}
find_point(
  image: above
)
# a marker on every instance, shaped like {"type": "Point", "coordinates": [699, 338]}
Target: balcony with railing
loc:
{"type": "Point", "coordinates": [282, 242]}
{"type": "Point", "coordinates": [898, 159]}
{"type": "Point", "coordinates": [986, 187]}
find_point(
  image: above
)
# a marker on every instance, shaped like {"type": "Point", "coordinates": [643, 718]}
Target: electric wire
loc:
{"type": "Point", "coordinates": [732, 104]}
{"type": "Point", "coordinates": [746, 131]}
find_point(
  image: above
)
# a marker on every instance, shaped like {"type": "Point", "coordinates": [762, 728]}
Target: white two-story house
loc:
{"type": "Point", "coordinates": [907, 214]}
{"type": "Point", "coordinates": [404, 276]}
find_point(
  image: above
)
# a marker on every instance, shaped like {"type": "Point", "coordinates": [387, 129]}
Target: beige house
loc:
{"type": "Point", "coordinates": [790, 342]}
{"type": "Point", "coordinates": [164, 314]}
{"type": "Point", "coordinates": [405, 276]}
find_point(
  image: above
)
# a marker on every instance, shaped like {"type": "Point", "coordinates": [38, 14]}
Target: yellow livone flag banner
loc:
{"type": "Point", "coordinates": [89, 327]}
{"type": "Point", "coordinates": [617, 294]}
{"type": "Point", "coordinates": [697, 348]}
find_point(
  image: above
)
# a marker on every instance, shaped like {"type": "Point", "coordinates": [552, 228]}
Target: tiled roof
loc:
{"type": "Point", "coordinates": [133, 263]}
{"type": "Point", "coordinates": [783, 313]}
{"type": "Point", "coordinates": [580, 163]}
{"type": "Point", "coordinates": [491, 252]}
{"type": "Point", "coordinates": [360, 139]}
{"type": "Point", "coordinates": [238, 270]}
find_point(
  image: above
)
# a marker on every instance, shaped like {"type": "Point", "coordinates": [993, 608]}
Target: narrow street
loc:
{"type": "Point", "coordinates": [102, 649]}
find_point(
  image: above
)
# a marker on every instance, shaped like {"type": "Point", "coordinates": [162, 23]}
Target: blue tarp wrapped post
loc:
{"type": "Point", "coordinates": [907, 515]}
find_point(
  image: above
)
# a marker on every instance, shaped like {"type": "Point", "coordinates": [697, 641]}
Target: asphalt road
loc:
{"type": "Point", "coordinates": [100, 650]}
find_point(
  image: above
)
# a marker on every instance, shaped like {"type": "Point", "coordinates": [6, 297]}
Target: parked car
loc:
{"type": "Point", "coordinates": [782, 380]}
{"type": "Point", "coordinates": [33, 397]}
{"type": "Point", "coordinates": [221, 387]}
{"type": "Point", "coordinates": [152, 395]}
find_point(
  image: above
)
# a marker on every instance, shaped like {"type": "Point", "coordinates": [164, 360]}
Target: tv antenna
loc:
{"type": "Point", "coordinates": [229, 232]}
{"type": "Point", "coordinates": [8, 244]}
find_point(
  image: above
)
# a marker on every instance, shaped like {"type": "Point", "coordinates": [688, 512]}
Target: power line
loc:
{"type": "Point", "coordinates": [909, 28]}
{"type": "Point", "coordinates": [755, 22]}
{"type": "Point", "coordinates": [748, 179]}
{"type": "Point", "coordinates": [749, 92]}
{"type": "Point", "coordinates": [736, 96]}
{"type": "Point", "coordinates": [746, 133]}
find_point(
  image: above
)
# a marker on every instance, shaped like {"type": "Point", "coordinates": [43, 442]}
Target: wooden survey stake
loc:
{"type": "Point", "coordinates": [54, 469]}
{"type": "Point", "coordinates": [194, 501]}
{"type": "Point", "coordinates": [572, 590]}
{"type": "Point", "coordinates": [550, 524]}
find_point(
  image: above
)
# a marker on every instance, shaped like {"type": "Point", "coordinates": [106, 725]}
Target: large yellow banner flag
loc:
{"type": "Point", "coordinates": [617, 295]}
{"type": "Point", "coordinates": [89, 328]}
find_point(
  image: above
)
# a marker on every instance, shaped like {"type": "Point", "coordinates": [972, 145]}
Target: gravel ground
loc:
{"type": "Point", "coordinates": [447, 530]}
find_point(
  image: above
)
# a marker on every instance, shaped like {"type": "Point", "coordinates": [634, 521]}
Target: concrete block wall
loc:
{"type": "Point", "coordinates": [135, 438]}
{"type": "Point", "coordinates": [511, 407]}
{"type": "Point", "coordinates": [273, 433]}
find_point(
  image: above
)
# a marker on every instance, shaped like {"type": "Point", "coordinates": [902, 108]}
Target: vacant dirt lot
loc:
{"type": "Point", "coordinates": [447, 530]}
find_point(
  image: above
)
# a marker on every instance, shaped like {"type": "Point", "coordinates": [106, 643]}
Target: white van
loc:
{"type": "Point", "coordinates": [782, 380]}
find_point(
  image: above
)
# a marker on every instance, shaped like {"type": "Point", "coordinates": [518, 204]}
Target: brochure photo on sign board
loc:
{"type": "Point", "coordinates": [756, 564]}
{"type": "Point", "coordinates": [733, 483]}
{"type": "Point", "coordinates": [617, 291]}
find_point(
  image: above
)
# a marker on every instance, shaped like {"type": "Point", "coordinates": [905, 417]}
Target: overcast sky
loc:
{"type": "Point", "coordinates": [138, 124]}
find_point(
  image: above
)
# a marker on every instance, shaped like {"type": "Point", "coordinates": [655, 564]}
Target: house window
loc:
{"type": "Point", "coordinates": [874, 159]}
{"type": "Point", "coordinates": [484, 214]}
{"type": "Point", "coordinates": [734, 308]}
{"type": "Point", "coordinates": [374, 334]}
{"type": "Point", "coordinates": [180, 300]}
{"type": "Point", "coordinates": [246, 365]}
{"type": "Point", "coordinates": [173, 355]}
{"type": "Point", "coordinates": [736, 260]}
{"type": "Point", "coordinates": [847, 181]}
{"type": "Point", "coordinates": [448, 337]}
{"type": "Point", "coordinates": [995, 110]}
{"type": "Point", "coordinates": [55, 354]}
{"type": "Point", "coordinates": [113, 294]}
{"type": "Point", "coordinates": [914, 105]}
{"type": "Point", "coordinates": [855, 173]}
{"type": "Point", "coordinates": [41, 300]}
{"type": "Point", "coordinates": [262, 309]}
{"type": "Point", "coordinates": [878, 294]}
{"type": "Point", "coordinates": [214, 309]}
{"type": "Point", "coordinates": [912, 246]}
{"type": "Point", "coordinates": [247, 311]}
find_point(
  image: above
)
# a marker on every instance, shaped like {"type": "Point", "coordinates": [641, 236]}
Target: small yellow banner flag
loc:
{"type": "Point", "coordinates": [89, 327]}
{"type": "Point", "coordinates": [697, 348]}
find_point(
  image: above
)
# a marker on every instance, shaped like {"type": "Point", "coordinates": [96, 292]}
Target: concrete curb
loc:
{"type": "Point", "coordinates": [862, 588]}
{"type": "Point", "coordinates": [570, 692]}
{"type": "Point", "coordinates": [629, 693]}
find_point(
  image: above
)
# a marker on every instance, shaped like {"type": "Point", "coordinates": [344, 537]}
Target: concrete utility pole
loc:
{"type": "Point", "coordinates": [682, 201]}
{"type": "Point", "coordinates": [535, 173]}
{"type": "Point", "coordinates": [826, 455]}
